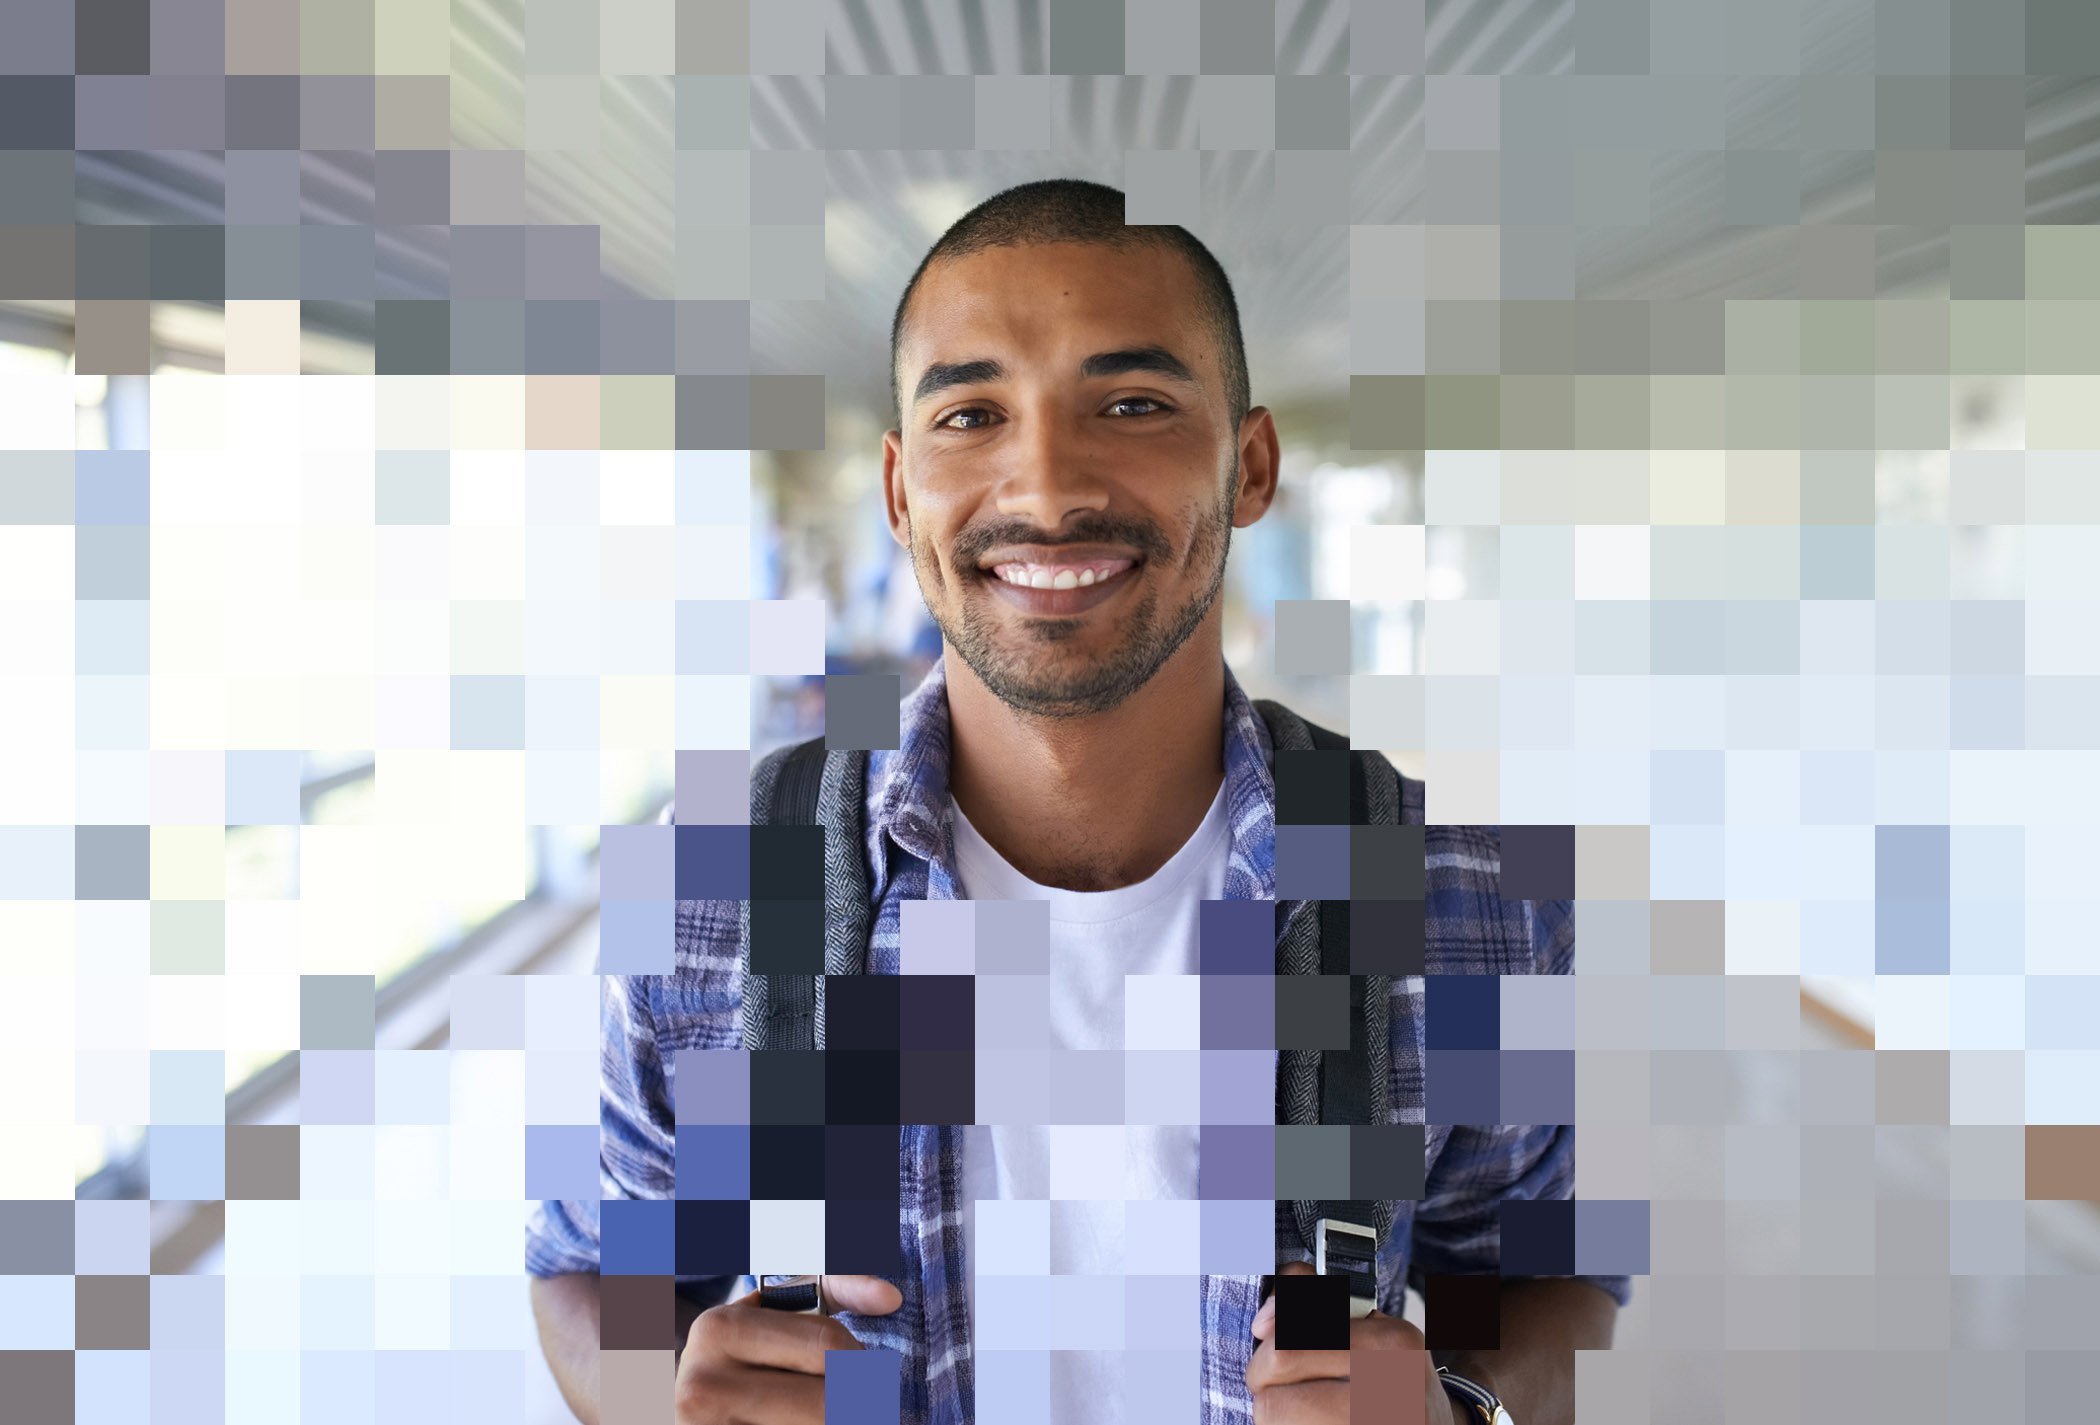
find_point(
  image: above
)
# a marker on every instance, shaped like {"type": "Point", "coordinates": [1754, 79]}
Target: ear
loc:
{"type": "Point", "coordinates": [894, 506]}
{"type": "Point", "coordinates": [1261, 459]}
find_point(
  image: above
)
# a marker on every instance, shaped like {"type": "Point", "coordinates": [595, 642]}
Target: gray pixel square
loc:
{"type": "Point", "coordinates": [1013, 937]}
{"type": "Point", "coordinates": [1239, 36]}
{"type": "Point", "coordinates": [939, 111]}
{"type": "Point", "coordinates": [1163, 186]}
{"type": "Point", "coordinates": [488, 187]}
{"type": "Point", "coordinates": [262, 187]}
{"type": "Point", "coordinates": [1236, 111]}
{"type": "Point", "coordinates": [1312, 1161]}
{"type": "Point", "coordinates": [1312, 1012]}
{"type": "Point", "coordinates": [637, 338]}
{"type": "Point", "coordinates": [335, 1011]}
{"type": "Point", "coordinates": [787, 412]}
{"type": "Point", "coordinates": [712, 338]}
{"type": "Point", "coordinates": [1013, 112]}
{"type": "Point", "coordinates": [1162, 36]}
{"type": "Point", "coordinates": [112, 562]}
{"type": "Point", "coordinates": [1086, 37]}
{"type": "Point", "coordinates": [863, 111]}
{"type": "Point", "coordinates": [1312, 637]}
{"type": "Point", "coordinates": [1312, 111]}
{"type": "Point", "coordinates": [414, 185]}
{"type": "Point", "coordinates": [412, 487]}
{"type": "Point", "coordinates": [714, 110]}
{"type": "Point", "coordinates": [862, 711]}
{"type": "Point", "coordinates": [787, 186]}
{"type": "Point", "coordinates": [1312, 188]}
{"type": "Point", "coordinates": [714, 788]}
{"type": "Point", "coordinates": [713, 412]}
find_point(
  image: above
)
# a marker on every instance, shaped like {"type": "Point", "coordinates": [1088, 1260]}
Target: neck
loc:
{"type": "Point", "coordinates": [1097, 802]}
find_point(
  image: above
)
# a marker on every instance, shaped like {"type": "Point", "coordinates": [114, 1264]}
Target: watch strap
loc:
{"type": "Point", "coordinates": [1480, 1401]}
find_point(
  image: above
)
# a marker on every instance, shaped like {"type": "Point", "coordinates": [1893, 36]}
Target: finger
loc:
{"type": "Point", "coordinates": [1265, 1319]}
{"type": "Point", "coordinates": [1315, 1403]}
{"type": "Point", "coordinates": [747, 1333]}
{"type": "Point", "coordinates": [758, 1397]}
{"type": "Point", "coordinates": [1271, 1367]}
{"type": "Point", "coordinates": [869, 1296]}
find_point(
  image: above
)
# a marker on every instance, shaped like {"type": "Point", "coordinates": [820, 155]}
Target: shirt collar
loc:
{"type": "Point", "coordinates": [908, 789]}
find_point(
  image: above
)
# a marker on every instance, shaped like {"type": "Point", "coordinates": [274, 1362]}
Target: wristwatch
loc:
{"type": "Point", "coordinates": [1479, 1402]}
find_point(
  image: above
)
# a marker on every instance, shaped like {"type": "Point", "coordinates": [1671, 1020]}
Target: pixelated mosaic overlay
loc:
{"type": "Point", "coordinates": [433, 437]}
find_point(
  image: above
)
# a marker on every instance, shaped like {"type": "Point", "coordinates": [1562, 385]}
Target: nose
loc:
{"type": "Point", "coordinates": [1046, 474]}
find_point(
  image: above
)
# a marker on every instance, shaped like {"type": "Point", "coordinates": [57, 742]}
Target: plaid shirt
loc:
{"type": "Point", "coordinates": [1470, 929]}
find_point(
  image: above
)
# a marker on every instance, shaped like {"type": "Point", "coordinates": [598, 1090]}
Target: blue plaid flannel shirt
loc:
{"type": "Point", "coordinates": [1470, 1171]}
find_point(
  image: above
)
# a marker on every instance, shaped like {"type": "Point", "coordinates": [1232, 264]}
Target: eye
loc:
{"type": "Point", "coordinates": [976, 413]}
{"type": "Point", "coordinates": [1157, 406]}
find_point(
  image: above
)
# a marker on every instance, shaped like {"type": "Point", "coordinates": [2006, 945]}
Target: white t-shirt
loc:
{"type": "Point", "coordinates": [1096, 939]}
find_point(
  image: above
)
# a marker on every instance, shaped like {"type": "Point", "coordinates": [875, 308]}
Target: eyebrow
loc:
{"type": "Point", "coordinates": [945, 375]}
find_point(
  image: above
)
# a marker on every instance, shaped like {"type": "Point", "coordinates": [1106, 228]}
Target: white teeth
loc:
{"type": "Point", "coordinates": [1039, 577]}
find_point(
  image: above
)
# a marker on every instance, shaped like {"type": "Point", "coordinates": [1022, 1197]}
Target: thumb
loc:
{"type": "Point", "coordinates": [869, 1296]}
{"type": "Point", "coordinates": [1265, 1319]}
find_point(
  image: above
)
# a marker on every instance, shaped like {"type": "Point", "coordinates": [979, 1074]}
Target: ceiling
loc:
{"type": "Point", "coordinates": [884, 206]}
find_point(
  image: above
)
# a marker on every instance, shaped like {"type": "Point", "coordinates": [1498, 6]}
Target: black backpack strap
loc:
{"type": "Point", "coordinates": [788, 788]}
{"type": "Point", "coordinates": [785, 1006]}
{"type": "Point", "coordinates": [796, 788]}
{"type": "Point", "coordinates": [1352, 1083]}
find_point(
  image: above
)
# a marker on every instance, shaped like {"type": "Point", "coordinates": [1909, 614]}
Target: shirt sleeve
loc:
{"type": "Point", "coordinates": [1458, 1227]}
{"type": "Point", "coordinates": [637, 1132]}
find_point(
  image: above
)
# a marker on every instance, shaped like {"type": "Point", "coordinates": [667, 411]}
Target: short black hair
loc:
{"type": "Point", "coordinates": [1055, 210]}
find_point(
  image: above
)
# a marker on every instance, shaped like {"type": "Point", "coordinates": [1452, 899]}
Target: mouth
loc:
{"type": "Point", "coordinates": [1063, 588]}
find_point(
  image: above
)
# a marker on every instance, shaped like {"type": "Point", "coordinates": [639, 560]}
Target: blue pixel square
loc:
{"type": "Point", "coordinates": [713, 1162]}
{"type": "Point", "coordinates": [1312, 863]}
{"type": "Point", "coordinates": [1538, 1238]}
{"type": "Point", "coordinates": [1464, 1011]}
{"type": "Point", "coordinates": [188, 1086]}
{"type": "Point", "coordinates": [186, 1164]}
{"type": "Point", "coordinates": [1611, 1237]}
{"type": "Point", "coordinates": [636, 863]}
{"type": "Point", "coordinates": [636, 1237]}
{"type": "Point", "coordinates": [1237, 937]}
{"type": "Point", "coordinates": [262, 789]}
{"type": "Point", "coordinates": [1913, 937]}
{"type": "Point", "coordinates": [861, 1387]}
{"type": "Point", "coordinates": [714, 863]}
{"type": "Point", "coordinates": [637, 937]}
{"type": "Point", "coordinates": [561, 1160]}
{"type": "Point", "coordinates": [111, 487]}
{"type": "Point", "coordinates": [1538, 1086]}
{"type": "Point", "coordinates": [1463, 1087]}
{"type": "Point", "coordinates": [714, 1238]}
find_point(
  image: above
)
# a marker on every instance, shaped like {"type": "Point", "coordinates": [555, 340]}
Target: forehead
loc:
{"type": "Point", "coordinates": [1048, 295]}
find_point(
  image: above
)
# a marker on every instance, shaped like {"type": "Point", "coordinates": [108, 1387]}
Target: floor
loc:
{"type": "Point", "coordinates": [2062, 1238]}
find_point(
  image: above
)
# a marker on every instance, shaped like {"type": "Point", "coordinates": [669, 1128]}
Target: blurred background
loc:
{"type": "Point", "coordinates": [1598, 158]}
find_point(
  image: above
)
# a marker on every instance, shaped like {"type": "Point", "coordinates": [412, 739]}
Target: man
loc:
{"type": "Point", "coordinates": [1074, 445]}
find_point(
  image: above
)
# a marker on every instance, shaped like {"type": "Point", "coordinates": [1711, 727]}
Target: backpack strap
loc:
{"type": "Point", "coordinates": [1352, 1086]}
{"type": "Point", "coordinates": [805, 785]}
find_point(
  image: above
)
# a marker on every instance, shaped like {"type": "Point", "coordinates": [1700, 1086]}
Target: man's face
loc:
{"type": "Point", "coordinates": [1067, 475]}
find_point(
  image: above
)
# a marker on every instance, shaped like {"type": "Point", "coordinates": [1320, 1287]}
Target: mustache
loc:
{"type": "Point", "coordinates": [1144, 537]}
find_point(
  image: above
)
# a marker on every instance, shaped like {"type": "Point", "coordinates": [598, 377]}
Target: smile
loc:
{"type": "Point", "coordinates": [1052, 589]}
{"type": "Point", "coordinates": [1061, 576]}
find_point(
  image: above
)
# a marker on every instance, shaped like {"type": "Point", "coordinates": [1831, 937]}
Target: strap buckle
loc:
{"type": "Point", "coordinates": [1343, 1248]}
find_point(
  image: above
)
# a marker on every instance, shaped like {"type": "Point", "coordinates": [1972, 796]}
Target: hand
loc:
{"type": "Point", "coordinates": [1312, 1387]}
{"type": "Point", "coordinates": [745, 1365]}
